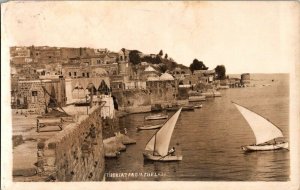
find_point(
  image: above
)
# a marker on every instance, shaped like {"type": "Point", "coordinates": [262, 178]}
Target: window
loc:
{"type": "Point", "coordinates": [70, 74]}
{"type": "Point", "coordinates": [34, 96]}
{"type": "Point", "coordinates": [75, 74]}
{"type": "Point", "coordinates": [83, 74]}
{"type": "Point", "coordinates": [88, 75]}
{"type": "Point", "coordinates": [98, 61]}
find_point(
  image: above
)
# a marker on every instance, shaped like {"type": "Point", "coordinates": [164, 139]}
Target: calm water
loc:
{"type": "Point", "coordinates": [210, 138]}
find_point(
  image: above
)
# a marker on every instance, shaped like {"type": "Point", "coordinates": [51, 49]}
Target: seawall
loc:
{"type": "Point", "coordinates": [74, 154]}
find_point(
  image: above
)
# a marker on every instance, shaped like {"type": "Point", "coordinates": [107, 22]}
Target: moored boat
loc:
{"type": "Point", "coordinates": [184, 108]}
{"type": "Point", "coordinates": [211, 94]}
{"type": "Point", "coordinates": [264, 130]}
{"type": "Point", "coordinates": [198, 106]}
{"type": "Point", "coordinates": [156, 117]}
{"type": "Point", "coordinates": [197, 98]}
{"type": "Point", "coordinates": [157, 148]}
{"type": "Point", "coordinates": [149, 127]}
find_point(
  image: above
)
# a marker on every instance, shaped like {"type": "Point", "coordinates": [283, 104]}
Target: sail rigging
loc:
{"type": "Point", "coordinates": [263, 129]}
{"type": "Point", "coordinates": [159, 143]}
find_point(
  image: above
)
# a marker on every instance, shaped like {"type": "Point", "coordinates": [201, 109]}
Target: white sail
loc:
{"type": "Point", "coordinates": [263, 129]}
{"type": "Point", "coordinates": [160, 141]}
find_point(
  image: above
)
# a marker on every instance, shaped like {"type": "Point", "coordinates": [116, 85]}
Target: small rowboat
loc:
{"type": "Point", "coordinates": [197, 98]}
{"type": "Point", "coordinates": [198, 106]}
{"type": "Point", "coordinates": [184, 108]}
{"type": "Point", "coordinates": [149, 127]}
{"type": "Point", "coordinates": [156, 117]}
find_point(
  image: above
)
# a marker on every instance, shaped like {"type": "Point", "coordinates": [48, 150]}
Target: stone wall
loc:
{"type": "Point", "coordinates": [132, 98]}
{"type": "Point", "coordinates": [32, 95]}
{"type": "Point", "coordinates": [76, 153]}
{"type": "Point", "coordinates": [162, 92]}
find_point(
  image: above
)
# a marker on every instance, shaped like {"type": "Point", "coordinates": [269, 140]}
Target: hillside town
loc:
{"type": "Point", "coordinates": [40, 75]}
{"type": "Point", "coordinates": [54, 89]}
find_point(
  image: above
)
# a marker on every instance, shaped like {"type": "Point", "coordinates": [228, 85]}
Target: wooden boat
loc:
{"type": "Point", "coordinates": [157, 148]}
{"type": "Point", "coordinates": [211, 94]}
{"type": "Point", "coordinates": [184, 108]}
{"type": "Point", "coordinates": [198, 106]}
{"type": "Point", "coordinates": [265, 131]}
{"type": "Point", "coordinates": [156, 117]}
{"type": "Point", "coordinates": [197, 98]}
{"type": "Point", "coordinates": [149, 127]}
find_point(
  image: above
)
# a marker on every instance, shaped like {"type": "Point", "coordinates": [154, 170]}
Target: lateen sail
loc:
{"type": "Point", "coordinates": [160, 141]}
{"type": "Point", "coordinates": [263, 129]}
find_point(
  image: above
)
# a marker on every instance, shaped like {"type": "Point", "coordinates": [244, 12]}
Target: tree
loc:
{"type": "Point", "coordinates": [161, 53]}
{"type": "Point", "coordinates": [157, 60]}
{"type": "Point", "coordinates": [220, 72]}
{"type": "Point", "coordinates": [197, 65]}
{"type": "Point", "coordinates": [166, 56]}
{"type": "Point", "coordinates": [163, 68]}
{"type": "Point", "coordinates": [134, 57]}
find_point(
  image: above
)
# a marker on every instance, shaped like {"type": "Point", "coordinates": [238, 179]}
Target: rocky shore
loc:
{"type": "Point", "coordinates": [114, 145]}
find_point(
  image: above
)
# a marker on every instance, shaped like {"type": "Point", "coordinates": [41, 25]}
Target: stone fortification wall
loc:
{"type": "Point", "coordinates": [132, 98]}
{"type": "Point", "coordinates": [76, 153]}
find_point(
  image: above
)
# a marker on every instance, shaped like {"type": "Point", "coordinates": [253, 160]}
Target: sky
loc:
{"type": "Point", "coordinates": [254, 37]}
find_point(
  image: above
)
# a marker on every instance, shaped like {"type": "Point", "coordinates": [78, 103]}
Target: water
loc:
{"type": "Point", "coordinates": [210, 138]}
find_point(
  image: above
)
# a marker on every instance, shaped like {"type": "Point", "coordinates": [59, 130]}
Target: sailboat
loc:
{"type": "Point", "coordinates": [157, 148]}
{"type": "Point", "coordinates": [264, 130]}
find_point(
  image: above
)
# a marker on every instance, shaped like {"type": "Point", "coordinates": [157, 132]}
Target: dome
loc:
{"type": "Point", "coordinates": [99, 72]}
{"type": "Point", "coordinates": [149, 69]}
{"type": "Point", "coordinates": [166, 76]}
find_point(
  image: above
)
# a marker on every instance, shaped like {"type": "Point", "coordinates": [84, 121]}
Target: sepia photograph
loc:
{"type": "Point", "coordinates": [183, 93]}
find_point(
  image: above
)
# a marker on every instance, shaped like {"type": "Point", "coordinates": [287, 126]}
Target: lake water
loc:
{"type": "Point", "coordinates": [210, 140]}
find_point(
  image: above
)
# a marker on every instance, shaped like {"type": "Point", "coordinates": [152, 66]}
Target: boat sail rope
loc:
{"type": "Point", "coordinates": [159, 143]}
{"type": "Point", "coordinates": [263, 129]}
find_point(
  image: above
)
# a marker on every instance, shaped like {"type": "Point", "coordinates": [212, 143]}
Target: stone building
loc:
{"type": "Point", "coordinates": [36, 95]}
{"type": "Point", "coordinates": [163, 89]}
{"type": "Point", "coordinates": [78, 88]}
{"type": "Point", "coordinates": [124, 55]}
{"type": "Point", "coordinates": [20, 55]}
{"type": "Point", "coordinates": [245, 79]}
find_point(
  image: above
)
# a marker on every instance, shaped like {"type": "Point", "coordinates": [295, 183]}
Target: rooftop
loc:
{"type": "Point", "coordinates": [166, 76]}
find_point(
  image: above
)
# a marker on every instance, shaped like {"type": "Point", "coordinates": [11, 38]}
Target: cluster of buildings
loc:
{"type": "Point", "coordinates": [43, 76]}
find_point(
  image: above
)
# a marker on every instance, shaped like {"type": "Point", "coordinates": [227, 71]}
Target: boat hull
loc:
{"type": "Point", "coordinates": [150, 127]}
{"type": "Point", "coordinates": [266, 147]}
{"type": "Point", "coordinates": [198, 106]}
{"type": "Point", "coordinates": [156, 117]}
{"type": "Point", "coordinates": [149, 156]}
{"type": "Point", "coordinates": [197, 98]}
{"type": "Point", "coordinates": [187, 108]}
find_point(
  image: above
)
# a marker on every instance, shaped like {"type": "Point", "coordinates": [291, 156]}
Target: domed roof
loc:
{"type": "Point", "coordinates": [166, 76]}
{"type": "Point", "coordinates": [149, 69]}
{"type": "Point", "coordinates": [99, 72]}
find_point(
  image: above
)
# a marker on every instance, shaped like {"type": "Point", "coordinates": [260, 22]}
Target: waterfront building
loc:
{"type": "Point", "coordinates": [162, 89]}
{"type": "Point", "coordinates": [245, 79]}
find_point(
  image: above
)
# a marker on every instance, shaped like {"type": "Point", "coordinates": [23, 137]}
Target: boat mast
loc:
{"type": "Point", "coordinates": [154, 143]}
